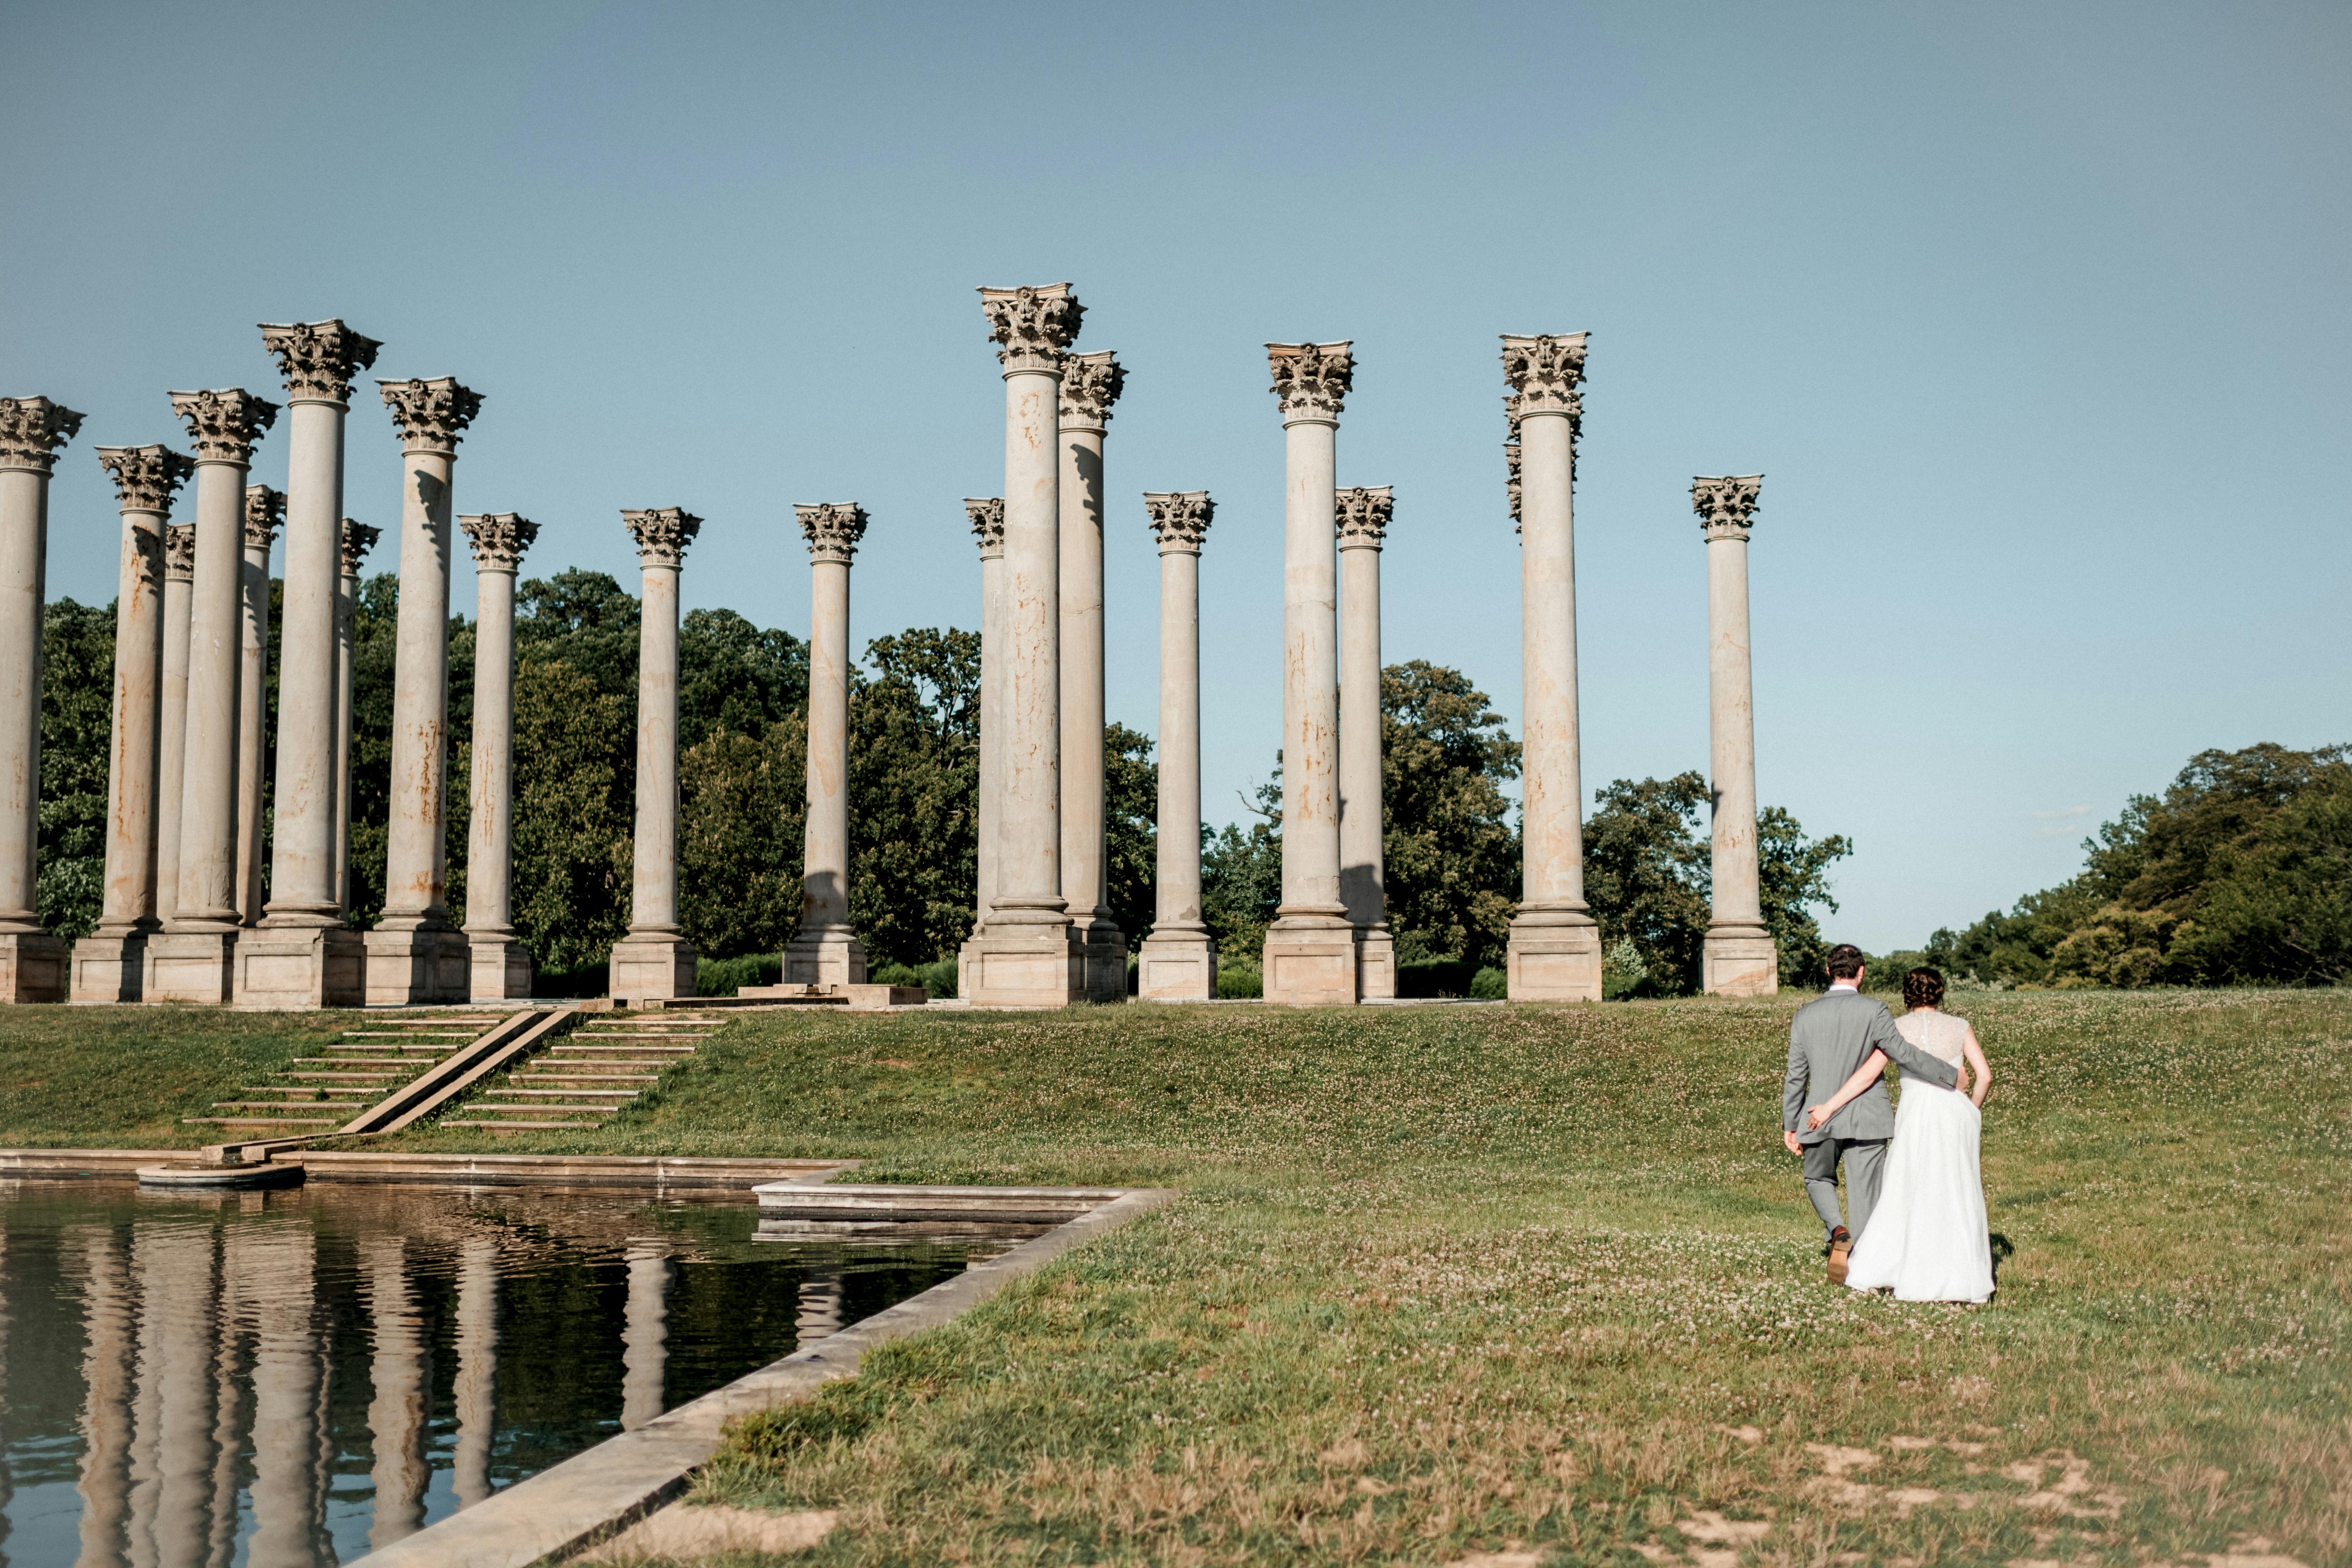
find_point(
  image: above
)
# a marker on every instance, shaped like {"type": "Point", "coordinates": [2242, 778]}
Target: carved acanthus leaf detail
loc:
{"type": "Point", "coordinates": [1363, 515]}
{"type": "Point", "coordinates": [831, 529]}
{"type": "Point", "coordinates": [1180, 518]}
{"type": "Point", "coordinates": [1032, 327]}
{"type": "Point", "coordinates": [1545, 370]}
{"type": "Point", "coordinates": [265, 513]}
{"type": "Point", "coordinates": [1511, 461]}
{"type": "Point", "coordinates": [662, 534]}
{"type": "Point", "coordinates": [357, 540]}
{"type": "Point", "coordinates": [1312, 379]}
{"type": "Point", "coordinates": [432, 413]}
{"type": "Point", "coordinates": [318, 359]}
{"type": "Point", "coordinates": [986, 514]}
{"type": "Point", "coordinates": [499, 538]}
{"type": "Point", "coordinates": [1090, 385]}
{"type": "Point", "coordinates": [225, 423]}
{"type": "Point", "coordinates": [180, 552]}
{"type": "Point", "coordinates": [145, 477]}
{"type": "Point", "coordinates": [1726, 504]}
{"type": "Point", "coordinates": [32, 429]}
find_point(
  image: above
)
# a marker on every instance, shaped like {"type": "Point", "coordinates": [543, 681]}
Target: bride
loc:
{"type": "Point", "coordinates": [1928, 1237]}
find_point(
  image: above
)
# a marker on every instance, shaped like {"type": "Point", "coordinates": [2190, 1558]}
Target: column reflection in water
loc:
{"type": "Point", "coordinates": [820, 1306]}
{"type": "Point", "coordinates": [104, 1481]}
{"type": "Point", "coordinates": [176, 1271]}
{"type": "Point", "coordinates": [146, 1402]}
{"type": "Point", "coordinates": [401, 1373]}
{"type": "Point", "coordinates": [276, 1267]}
{"type": "Point", "coordinates": [645, 1335]}
{"type": "Point", "coordinates": [478, 1367]}
{"type": "Point", "coordinates": [8, 1480]}
{"type": "Point", "coordinates": [231, 1407]}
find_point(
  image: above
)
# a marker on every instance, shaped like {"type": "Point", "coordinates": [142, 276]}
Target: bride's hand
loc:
{"type": "Point", "coordinates": [1816, 1116]}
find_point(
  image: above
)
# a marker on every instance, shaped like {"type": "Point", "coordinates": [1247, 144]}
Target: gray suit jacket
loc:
{"type": "Point", "coordinates": [1827, 1040]}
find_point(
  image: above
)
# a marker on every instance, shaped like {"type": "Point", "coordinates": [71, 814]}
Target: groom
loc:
{"type": "Point", "coordinates": [1830, 1038]}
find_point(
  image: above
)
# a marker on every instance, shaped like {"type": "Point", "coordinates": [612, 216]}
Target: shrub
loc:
{"type": "Point", "coordinates": [1435, 977]}
{"type": "Point", "coordinates": [725, 976]}
{"type": "Point", "coordinates": [938, 978]}
{"type": "Point", "coordinates": [1240, 983]}
{"type": "Point", "coordinates": [1491, 985]}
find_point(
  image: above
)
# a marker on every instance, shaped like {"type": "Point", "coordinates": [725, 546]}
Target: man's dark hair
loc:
{"type": "Point", "coordinates": [1923, 988]}
{"type": "Point", "coordinates": [1845, 960]}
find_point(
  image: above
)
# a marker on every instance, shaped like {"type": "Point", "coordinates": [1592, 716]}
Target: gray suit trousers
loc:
{"type": "Point", "coordinates": [1866, 1170]}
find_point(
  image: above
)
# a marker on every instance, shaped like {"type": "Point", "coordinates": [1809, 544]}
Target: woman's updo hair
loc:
{"type": "Point", "coordinates": [1923, 988]}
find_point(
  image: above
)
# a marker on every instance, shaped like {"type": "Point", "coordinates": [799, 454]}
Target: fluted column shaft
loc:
{"type": "Point", "coordinates": [263, 507]}
{"type": "Point", "coordinates": [302, 828]}
{"type": "Point", "coordinates": [145, 477]}
{"type": "Point", "coordinates": [1739, 957]}
{"type": "Point", "coordinates": [31, 429]}
{"type": "Point", "coordinates": [991, 711]}
{"type": "Point", "coordinates": [1091, 383]}
{"type": "Point", "coordinates": [172, 738]}
{"type": "Point", "coordinates": [1362, 879]}
{"type": "Point", "coordinates": [499, 540]}
{"type": "Point", "coordinates": [1176, 899]}
{"type": "Point", "coordinates": [1310, 698]}
{"type": "Point", "coordinates": [357, 538]}
{"type": "Point", "coordinates": [824, 899]}
{"type": "Point", "coordinates": [416, 847]}
{"type": "Point", "coordinates": [1029, 869]}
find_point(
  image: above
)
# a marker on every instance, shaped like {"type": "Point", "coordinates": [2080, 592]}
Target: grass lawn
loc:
{"type": "Point", "coordinates": [1524, 1280]}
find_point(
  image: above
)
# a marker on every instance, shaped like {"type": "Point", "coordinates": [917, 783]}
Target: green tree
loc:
{"type": "Point", "coordinates": [743, 808]}
{"type": "Point", "coordinates": [1241, 875]}
{"type": "Point", "coordinates": [77, 731]}
{"type": "Point", "coordinates": [1452, 858]}
{"type": "Point", "coordinates": [914, 756]}
{"type": "Point", "coordinates": [1793, 876]}
{"type": "Point", "coordinates": [1647, 875]}
{"type": "Point", "coordinates": [1130, 830]}
{"type": "Point", "coordinates": [574, 814]}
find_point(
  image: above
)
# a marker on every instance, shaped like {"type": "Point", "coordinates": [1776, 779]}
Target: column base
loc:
{"type": "Point", "coordinates": [33, 967]}
{"type": "Point", "coordinates": [1739, 961]}
{"type": "Point", "coordinates": [1554, 958]}
{"type": "Point", "coordinates": [1010, 965]}
{"type": "Point", "coordinates": [652, 968]}
{"type": "Point", "coordinates": [419, 967]}
{"type": "Point", "coordinates": [110, 966]}
{"type": "Point", "coordinates": [1375, 964]}
{"type": "Point", "coordinates": [1106, 961]}
{"type": "Point", "coordinates": [197, 966]}
{"type": "Point", "coordinates": [500, 969]}
{"type": "Point", "coordinates": [1310, 962]}
{"type": "Point", "coordinates": [297, 967]}
{"type": "Point", "coordinates": [827, 958]}
{"type": "Point", "coordinates": [1177, 966]}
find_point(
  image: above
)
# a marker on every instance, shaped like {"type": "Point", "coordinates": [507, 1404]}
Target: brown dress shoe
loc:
{"type": "Point", "coordinates": [1841, 1246]}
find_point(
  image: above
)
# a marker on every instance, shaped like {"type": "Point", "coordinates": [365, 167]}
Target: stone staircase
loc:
{"type": "Point", "coordinates": [602, 1065]}
{"type": "Point", "coordinates": [369, 1064]}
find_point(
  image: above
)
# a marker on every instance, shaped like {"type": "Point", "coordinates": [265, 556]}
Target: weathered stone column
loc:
{"type": "Point", "coordinates": [305, 957]}
{"type": "Point", "coordinates": [172, 728]}
{"type": "Point", "coordinates": [1179, 960]}
{"type": "Point", "coordinates": [987, 518]}
{"type": "Point", "coordinates": [110, 963]}
{"type": "Point", "coordinates": [399, 1416]}
{"type": "Point", "coordinates": [265, 508]}
{"type": "Point", "coordinates": [1364, 520]}
{"type": "Point", "coordinates": [194, 959]}
{"type": "Point", "coordinates": [826, 950]}
{"type": "Point", "coordinates": [358, 539]}
{"type": "Point", "coordinates": [1555, 947]}
{"type": "Point", "coordinates": [1740, 957]}
{"type": "Point", "coordinates": [1028, 954]}
{"type": "Point", "coordinates": [501, 965]}
{"type": "Point", "coordinates": [32, 961]}
{"type": "Point", "coordinates": [652, 961]}
{"type": "Point", "coordinates": [1090, 386]}
{"type": "Point", "coordinates": [413, 953]}
{"type": "Point", "coordinates": [645, 1335]}
{"type": "Point", "coordinates": [1310, 949]}
{"type": "Point", "coordinates": [475, 1389]}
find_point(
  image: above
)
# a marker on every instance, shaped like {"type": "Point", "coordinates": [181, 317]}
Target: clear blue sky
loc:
{"type": "Point", "coordinates": [2036, 318]}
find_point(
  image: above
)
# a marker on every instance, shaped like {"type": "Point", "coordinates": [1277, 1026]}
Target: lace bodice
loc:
{"type": "Point", "coordinates": [1939, 1034]}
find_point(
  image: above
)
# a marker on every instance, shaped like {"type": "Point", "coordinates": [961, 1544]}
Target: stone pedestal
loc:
{"type": "Point", "coordinates": [1739, 957]}
{"type": "Point", "coordinates": [654, 961]}
{"type": "Point", "coordinates": [300, 967]}
{"type": "Point", "coordinates": [196, 966]}
{"type": "Point", "coordinates": [500, 969]}
{"type": "Point", "coordinates": [1177, 962]}
{"type": "Point", "coordinates": [501, 965]}
{"type": "Point", "coordinates": [1090, 386]}
{"type": "Point", "coordinates": [415, 966]}
{"type": "Point", "coordinates": [824, 952]}
{"type": "Point", "coordinates": [33, 967]}
{"type": "Point", "coordinates": [32, 963]}
{"type": "Point", "coordinates": [109, 966]}
{"type": "Point", "coordinates": [652, 967]}
{"type": "Point", "coordinates": [1363, 520]}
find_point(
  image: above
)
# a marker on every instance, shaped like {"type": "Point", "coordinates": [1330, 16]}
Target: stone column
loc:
{"type": "Point", "coordinates": [399, 1414]}
{"type": "Point", "coordinates": [414, 955]}
{"type": "Point", "coordinates": [1363, 520]}
{"type": "Point", "coordinates": [1740, 957]}
{"type": "Point", "coordinates": [476, 1388]}
{"type": "Point", "coordinates": [305, 957]}
{"type": "Point", "coordinates": [652, 961]}
{"type": "Point", "coordinates": [1178, 959]}
{"type": "Point", "coordinates": [645, 1335]}
{"type": "Point", "coordinates": [1090, 386]}
{"type": "Point", "coordinates": [825, 951]}
{"type": "Point", "coordinates": [1310, 949]}
{"type": "Point", "coordinates": [194, 960]}
{"type": "Point", "coordinates": [1029, 954]}
{"type": "Point", "coordinates": [171, 729]}
{"type": "Point", "coordinates": [987, 519]}
{"type": "Point", "coordinates": [32, 963]}
{"type": "Point", "coordinates": [265, 510]}
{"type": "Point", "coordinates": [1555, 947]}
{"type": "Point", "coordinates": [501, 965]}
{"type": "Point", "coordinates": [109, 963]}
{"type": "Point", "coordinates": [358, 539]}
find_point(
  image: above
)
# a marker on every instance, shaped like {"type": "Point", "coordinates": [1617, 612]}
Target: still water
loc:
{"type": "Point", "coordinates": [290, 1379]}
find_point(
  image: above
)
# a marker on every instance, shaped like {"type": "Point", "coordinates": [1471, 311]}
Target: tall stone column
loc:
{"type": "Point", "coordinates": [987, 518]}
{"type": "Point", "coordinates": [1090, 386]}
{"type": "Point", "coordinates": [476, 1388]}
{"type": "Point", "coordinates": [304, 957]}
{"type": "Point", "coordinates": [1310, 948]}
{"type": "Point", "coordinates": [501, 965]}
{"type": "Point", "coordinates": [32, 963]}
{"type": "Point", "coordinates": [171, 729]}
{"type": "Point", "coordinates": [1179, 960]}
{"type": "Point", "coordinates": [825, 951]}
{"type": "Point", "coordinates": [1740, 957]}
{"type": "Point", "coordinates": [1363, 520]}
{"type": "Point", "coordinates": [645, 1335]}
{"type": "Point", "coordinates": [358, 539]}
{"type": "Point", "coordinates": [194, 958]}
{"type": "Point", "coordinates": [265, 508]}
{"type": "Point", "coordinates": [110, 963]}
{"type": "Point", "coordinates": [414, 955]}
{"type": "Point", "coordinates": [1029, 954]}
{"type": "Point", "coordinates": [654, 962]}
{"type": "Point", "coordinates": [1554, 946]}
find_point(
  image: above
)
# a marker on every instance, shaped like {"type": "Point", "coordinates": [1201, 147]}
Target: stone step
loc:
{"type": "Point", "coordinates": [407, 1035]}
{"type": "Point", "coordinates": [616, 1094]}
{"type": "Point", "coordinates": [290, 1105]}
{"type": "Point", "coordinates": [585, 1078]}
{"type": "Point", "coordinates": [257, 1121]}
{"type": "Point", "coordinates": [348, 1077]}
{"type": "Point", "coordinates": [550, 1109]}
{"type": "Point", "coordinates": [518, 1126]}
{"type": "Point", "coordinates": [673, 1050]}
{"type": "Point", "coordinates": [353, 1061]}
{"type": "Point", "coordinates": [605, 1062]}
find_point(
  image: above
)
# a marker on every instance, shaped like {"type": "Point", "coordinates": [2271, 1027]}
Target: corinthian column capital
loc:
{"type": "Point", "coordinates": [265, 510]}
{"type": "Point", "coordinates": [145, 477]}
{"type": "Point", "coordinates": [31, 431]}
{"type": "Point", "coordinates": [1363, 516]}
{"type": "Point", "coordinates": [1032, 327]}
{"type": "Point", "coordinates": [432, 413]}
{"type": "Point", "coordinates": [1511, 464]}
{"type": "Point", "coordinates": [225, 423]}
{"type": "Point", "coordinates": [662, 534]}
{"type": "Point", "coordinates": [1090, 385]}
{"type": "Point", "coordinates": [831, 529]}
{"type": "Point", "coordinates": [1180, 519]}
{"type": "Point", "coordinates": [499, 538]}
{"type": "Point", "coordinates": [318, 359]}
{"type": "Point", "coordinates": [1545, 370]}
{"type": "Point", "coordinates": [357, 540]}
{"type": "Point", "coordinates": [1312, 380]}
{"type": "Point", "coordinates": [180, 552]}
{"type": "Point", "coordinates": [1726, 504]}
{"type": "Point", "coordinates": [987, 516]}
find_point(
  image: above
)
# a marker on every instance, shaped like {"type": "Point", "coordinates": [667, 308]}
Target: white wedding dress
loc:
{"type": "Point", "coordinates": [1928, 1237]}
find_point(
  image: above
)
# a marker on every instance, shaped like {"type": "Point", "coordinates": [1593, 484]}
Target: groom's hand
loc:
{"type": "Point", "coordinates": [1790, 1139]}
{"type": "Point", "coordinates": [1816, 1115]}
